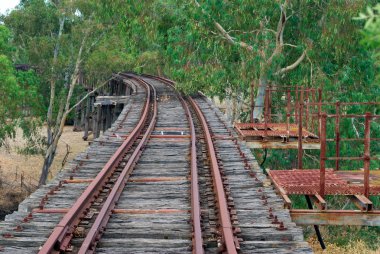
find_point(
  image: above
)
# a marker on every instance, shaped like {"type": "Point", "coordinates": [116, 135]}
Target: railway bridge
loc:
{"type": "Point", "coordinates": [168, 175]}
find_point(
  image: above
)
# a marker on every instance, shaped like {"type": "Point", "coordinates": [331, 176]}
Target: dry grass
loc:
{"type": "Point", "coordinates": [356, 247]}
{"type": "Point", "coordinates": [13, 163]}
{"type": "Point", "coordinates": [15, 167]}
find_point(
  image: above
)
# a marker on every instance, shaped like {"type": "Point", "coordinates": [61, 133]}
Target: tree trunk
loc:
{"type": "Point", "coordinates": [48, 160]}
{"type": "Point", "coordinates": [259, 101]}
{"type": "Point", "coordinates": [61, 118]}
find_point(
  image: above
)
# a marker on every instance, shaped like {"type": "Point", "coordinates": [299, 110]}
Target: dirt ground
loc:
{"type": "Point", "coordinates": [20, 173]}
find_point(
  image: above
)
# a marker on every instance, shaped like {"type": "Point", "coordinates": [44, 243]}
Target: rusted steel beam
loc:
{"type": "Point", "coordinates": [300, 128]}
{"type": "Point", "coordinates": [337, 135]}
{"type": "Point", "coordinates": [362, 202]}
{"type": "Point", "coordinates": [224, 215]}
{"type": "Point", "coordinates": [277, 144]}
{"type": "Point", "coordinates": [322, 177]}
{"type": "Point", "coordinates": [335, 217]}
{"type": "Point", "coordinates": [97, 228]}
{"type": "Point", "coordinates": [352, 139]}
{"type": "Point", "coordinates": [287, 201]}
{"type": "Point", "coordinates": [63, 232]}
{"type": "Point", "coordinates": [318, 201]}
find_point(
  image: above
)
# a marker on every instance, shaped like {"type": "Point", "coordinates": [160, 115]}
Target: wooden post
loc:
{"type": "Point", "coordinates": [103, 121]}
{"type": "Point", "coordinates": [114, 112]}
{"type": "Point", "coordinates": [91, 114]}
{"type": "Point", "coordinates": [108, 116]}
{"type": "Point", "coordinates": [87, 118]}
{"type": "Point", "coordinates": [82, 116]}
{"type": "Point", "coordinates": [97, 120]}
{"type": "Point", "coordinates": [77, 123]}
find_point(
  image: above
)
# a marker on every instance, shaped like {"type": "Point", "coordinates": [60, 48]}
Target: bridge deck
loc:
{"type": "Point", "coordinates": [153, 212]}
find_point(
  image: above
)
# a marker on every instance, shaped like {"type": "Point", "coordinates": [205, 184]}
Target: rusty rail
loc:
{"type": "Point", "coordinates": [224, 215]}
{"type": "Point", "coordinates": [62, 234]}
{"type": "Point", "coordinates": [195, 199]}
{"type": "Point", "coordinates": [101, 221]}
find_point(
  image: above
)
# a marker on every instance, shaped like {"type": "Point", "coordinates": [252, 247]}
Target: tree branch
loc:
{"type": "Point", "coordinates": [88, 94]}
{"type": "Point", "coordinates": [224, 33]}
{"type": "Point", "coordinates": [293, 65]}
{"type": "Point", "coordinates": [279, 35]}
{"type": "Point", "coordinates": [230, 39]}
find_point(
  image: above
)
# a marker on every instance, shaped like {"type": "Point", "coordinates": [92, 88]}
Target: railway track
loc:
{"type": "Point", "coordinates": [169, 176]}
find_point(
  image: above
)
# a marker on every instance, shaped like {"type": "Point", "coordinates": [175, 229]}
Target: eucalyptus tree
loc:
{"type": "Point", "coordinates": [19, 94]}
{"type": "Point", "coordinates": [58, 39]}
{"type": "Point", "coordinates": [255, 32]}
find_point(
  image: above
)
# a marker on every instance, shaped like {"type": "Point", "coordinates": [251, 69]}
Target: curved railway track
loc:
{"type": "Point", "coordinates": [169, 176]}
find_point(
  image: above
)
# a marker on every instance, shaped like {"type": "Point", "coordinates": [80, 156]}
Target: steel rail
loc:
{"type": "Point", "coordinates": [224, 215]}
{"type": "Point", "coordinates": [195, 199]}
{"type": "Point", "coordinates": [62, 234]}
{"type": "Point", "coordinates": [97, 228]}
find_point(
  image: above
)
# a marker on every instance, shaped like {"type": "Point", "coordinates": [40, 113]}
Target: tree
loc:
{"type": "Point", "coordinates": [19, 95]}
{"type": "Point", "coordinates": [58, 39]}
{"type": "Point", "coordinates": [268, 45]}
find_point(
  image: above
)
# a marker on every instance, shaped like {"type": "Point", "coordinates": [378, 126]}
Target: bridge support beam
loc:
{"type": "Point", "coordinates": [335, 217]}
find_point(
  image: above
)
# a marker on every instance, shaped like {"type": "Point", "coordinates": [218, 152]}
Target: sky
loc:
{"type": "Point", "coordinates": [7, 4]}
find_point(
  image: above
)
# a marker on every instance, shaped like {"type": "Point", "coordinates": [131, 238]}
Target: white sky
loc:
{"type": "Point", "coordinates": [7, 4]}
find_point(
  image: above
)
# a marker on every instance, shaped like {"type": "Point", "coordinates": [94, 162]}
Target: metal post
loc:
{"type": "Point", "coordinates": [367, 153]}
{"type": "Point", "coordinates": [313, 116]}
{"type": "Point", "coordinates": [323, 155]}
{"type": "Point", "coordinates": [252, 101]}
{"type": "Point", "coordinates": [269, 104]}
{"type": "Point", "coordinates": [337, 135]}
{"type": "Point", "coordinates": [296, 104]}
{"type": "Point", "coordinates": [307, 109]}
{"type": "Point", "coordinates": [319, 108]}
{"type": "Point", "coordinates": [288, 115]}
{"type": "Point", "coordinates": [266, 101]}
{"type": "Point", "coordinates": [300, 149]}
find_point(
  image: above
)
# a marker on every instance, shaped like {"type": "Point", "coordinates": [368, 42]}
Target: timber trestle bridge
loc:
{"type": "Point", "coordinates": [169, 176]}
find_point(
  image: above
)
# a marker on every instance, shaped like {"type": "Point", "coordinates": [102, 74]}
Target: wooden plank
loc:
{"type": "Point", "coordinates": [336, 217]}
{"type": "Point", "coordinates": [258, 144]}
